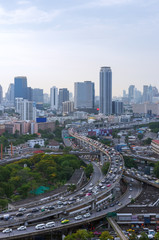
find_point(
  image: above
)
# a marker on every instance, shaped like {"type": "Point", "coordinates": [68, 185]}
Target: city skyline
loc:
{"type": "Point", "coordinates": [59, 43]}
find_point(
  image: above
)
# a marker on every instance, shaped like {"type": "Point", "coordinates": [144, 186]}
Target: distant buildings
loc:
{"type": "Point", "coordinates": [1, 94]}
{"type": "Point", "coordinates": [84, 95]}
{"type": "Point", "coordinates": [117, 107]}
{"type": "Point", "coordinates": [20, 87]}
{"type": "Point", "coordinates": [105, 95]}
{"type": "Point", "coordinates": [26, 109]}
{"type": "Point", "coordinates": [68, 107]}
{"type": "Point", "coordinates": [38, 96]}
{"type": "Point", "coordinates": [54, 98]}
{"type": "Point", "coordinates": [63, 97]}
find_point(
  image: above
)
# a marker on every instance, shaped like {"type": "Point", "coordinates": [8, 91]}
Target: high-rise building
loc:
{"type": "Point", "coordinates": [131, 93]}
{"type": "Point", "coordinates": [38, 96]}
{"type": "Point", "coordinates": [46, 98]}
{"type": "Point", "coordinates": [63, 96]}
{"type": "Point", "coordinates": [84, 95]}
{"type": "Point", "coordinates": [26, 109]}
{"type": "Point", "coordinates": [68, 107]}
{"type": "Point", "coordinates": [30, 94]}
{"type": "Point", "coordinates": [54, 98]}
{"type": "Point", "coordinates": [1, 94]}
{"type": "Point", "coordinates": [10, 95]}
{"type": "Point", "coordinates": [105, 94]}
{"type": "Point", "coordinates": [20, 87]}
{"type": "Point", "coordinates": [117, 107]}
{"type": "Point", "coordinates": [145, 93]}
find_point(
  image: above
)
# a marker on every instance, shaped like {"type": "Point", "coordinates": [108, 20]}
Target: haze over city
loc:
{"type": "Point", "coordinates": [57, 43]}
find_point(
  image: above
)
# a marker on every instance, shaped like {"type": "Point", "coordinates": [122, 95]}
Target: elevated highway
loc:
{"type": "Point", "coordinates": [117, 229]}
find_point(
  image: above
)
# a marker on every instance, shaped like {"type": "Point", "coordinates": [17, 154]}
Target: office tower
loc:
{"type": "Point", "coordinates": [145, 93]}
{"type": "Point", "coordinates": [46, 98]}
{"type": "Point", "coordinates": [20, 87]}
{"type": "Point", "coordinates": [54, 98]}
{"type": "Point", "coordinates": [68, 107]}
{"type": "Point", "coordinates": [84, 95]}
{"type": "Point", "coordinates": [1, 94]}
{"type": "Point", "coordinates": [131, 93]}
{"type": "Point", "coordinates": [63, 96]}
{"type": "Point", "coordinates": [124, 94]}
{"type": "Point", "coordinates": [105, 94]}
{"type": "Point", "coordinates": [38, 95]}
{"type": "Point", "coordinates": [117, 107]}
{"type": "Point", "coordinates": [26, 109]}
{"type": "Point", "coordinates": [30, 94]}
{"type": "Point", "coordinates": [10, 93]}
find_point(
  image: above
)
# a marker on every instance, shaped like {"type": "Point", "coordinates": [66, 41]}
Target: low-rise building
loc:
{"type": "Point", "coordinates": [32, 142]}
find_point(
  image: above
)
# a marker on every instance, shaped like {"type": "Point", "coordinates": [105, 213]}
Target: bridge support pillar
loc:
{"type": "Point", "coordinates": [93, 205]}
{"type": "Point", "coordinates": [101, 158]}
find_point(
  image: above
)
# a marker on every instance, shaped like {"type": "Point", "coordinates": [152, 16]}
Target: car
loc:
{"type": "Point", "coordinates": [50, 224]}
{"type": "Point", "coordinates": [108, 185]}
{"type": "Point", "coordinates": [21, 228]}
{"type": "Point", "coordinates": [87, 215]}
{"type": "Point", "coordinates": [130, 196]}
{"type": "Point", "coordinates": [79, 217]}
{"type": "Point", "coordinates": [40, 226]}
{"type": "Point", "coordinates": [119, 204]}
{"type": "Point", "coordinates": [35, 210]}
{"type": "Point", "coordinates": [19, 214]}
{"type": "Point", "coordinates": [22, 209]}
{"type": "Point", "coordinates": [7, 230]}
{"type": "Point", "coordinates": [29, 214]}
{"type": "Point", "coordinates": [130, 189]}
{"type": "Point", "coordinates": [65, 221]}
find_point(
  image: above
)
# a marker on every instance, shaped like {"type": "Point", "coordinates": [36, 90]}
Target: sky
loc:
{"type": "Point", "coordinates": [59, 42]}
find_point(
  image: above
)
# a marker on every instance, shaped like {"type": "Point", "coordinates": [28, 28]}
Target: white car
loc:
{"type": "Point", "coordinates": [79, 217]}
{"type": "Point", "coordinates": [130, 196]}
{"type": "Point", "coordinates": [21, 228]}
{"type": "Point", "coordinates": [7, 230]}
{"type": "Point", "coordinates": [87, 215]}
{"type": "Point", "coordinates": [40, 226]}
{"type": "Point", "coordinates": [22, 209]}
{"type": "Point", "coordinates": [50, 224]}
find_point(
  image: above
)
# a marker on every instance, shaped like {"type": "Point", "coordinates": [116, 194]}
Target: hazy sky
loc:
{"type": "Point", "coordinates": [59, 42]}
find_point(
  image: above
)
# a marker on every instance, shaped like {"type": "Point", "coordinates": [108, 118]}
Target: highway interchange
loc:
{"type": "Point", "coordinates": [96, 193]}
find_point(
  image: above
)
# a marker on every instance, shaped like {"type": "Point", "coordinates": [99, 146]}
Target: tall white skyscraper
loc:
{"type": "Point", "coordinates": [105, 94]}
{"type": "Point", "coordinates": [26, 109]}
{"type": "Point", "coordinates": [84, 95]}
{"type": "Point", "coordinates": [54, 98]}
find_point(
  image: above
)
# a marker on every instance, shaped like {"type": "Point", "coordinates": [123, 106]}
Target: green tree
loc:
{"type": "Point", "coordinates": [105, 167]}
{"type": "Point", "coordinates": [71, 188]}
{"type": "Point", "coordinates": [133, 236]}
{"type": "Point", "coordinates": [144, 236]}
{"type": "Point", "coordinates": [156, 236]}
{"type": "Point", "coordinates": [105, 236]}
{"type": "Point", "coordinates": [79, 235]}
{"type": "Point", "coordinates": [36, 145]}
{"type": "Point", "coordinates": [140, 136]}
{"type": "Point", "coordinates": [89, 170]}
{"type": "Point", "coordinates": [156, 170]}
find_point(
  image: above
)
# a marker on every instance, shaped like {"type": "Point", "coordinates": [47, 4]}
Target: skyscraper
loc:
{"type": "Point", "coordinates": [20, 87]}
{"type": "Point", "coordinates": [1, 94]}
{"type": "Point", "coordinates": [10, 95]}
{"type": "Point", "coordinates": [54, 98]}
{"type": "Point", "coordinates": [105, 94]}
{"type": "Point", "coordinates": [38, 96]}
{"type": "Point", "coordinates": [131, 93]}
{"type": "Point", "coordinates": [84, 95]}
{"type": "Point", "coordinates": [63, 96]}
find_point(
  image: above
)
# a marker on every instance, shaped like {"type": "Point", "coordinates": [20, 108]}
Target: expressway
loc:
{"type": "Point", "coordinates": [99, 199]}
{"type": "Point", "coordinates": [95, 215]}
